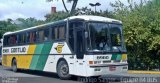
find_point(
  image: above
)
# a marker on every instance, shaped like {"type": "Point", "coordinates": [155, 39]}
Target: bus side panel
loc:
{"type": "Point", "coordinates": [36, 56]}
{"type": "Point", "coordinates": [4, 60]}
{"type": "Point", "coordinates": [52, 60]}
{"type": "Point", "coordinates": [24, 61]}
{"type": "Point", "coordinates": [7, 60]}
{"type": "Point", "coordinates": [44, 55]}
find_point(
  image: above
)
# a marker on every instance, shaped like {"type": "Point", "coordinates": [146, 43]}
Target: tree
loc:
{"type": "Point", "coordinates": [142, 32]}
{"type": "Point", "coordinates": [72, 10]}
{"type": "Point", "coordinates": [29, 22]}
{"type": "Point", "coordinates": [56, 16]}
{"type": "Point", "coordinates": [13, 25]}
{"type": "Point", "coordinates": [7, 26]}
{"type": "Point", "coordinates": [88, 11]}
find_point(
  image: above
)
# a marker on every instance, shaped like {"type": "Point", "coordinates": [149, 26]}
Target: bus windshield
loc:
{"type": "Point", "coordinates": [116, 38]}
{"type": "Point", "coordinates": [105, 37]}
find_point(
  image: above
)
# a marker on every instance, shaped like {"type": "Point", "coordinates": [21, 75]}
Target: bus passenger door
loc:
{"type": "Point", "coordinates": [79, 50]}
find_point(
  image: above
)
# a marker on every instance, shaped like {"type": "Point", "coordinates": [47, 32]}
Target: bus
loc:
{"type": "Point", "coordinates": [84, 45]}
{"type": "Point", "coordinates": [1, 51]}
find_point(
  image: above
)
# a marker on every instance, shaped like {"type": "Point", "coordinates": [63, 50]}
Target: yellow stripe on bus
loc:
{"type": "Point", "coordinates": [24, 61]}
{"type": "Point", "coordinates": [124, 56]}
{"type": "Point", "coordinates": [9, 60]}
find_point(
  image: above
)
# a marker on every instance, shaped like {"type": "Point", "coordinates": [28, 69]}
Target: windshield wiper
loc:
{"type": "Point", "coordinates": [119, 49]}
{"type": "Point", "coordinates": [116, 48]}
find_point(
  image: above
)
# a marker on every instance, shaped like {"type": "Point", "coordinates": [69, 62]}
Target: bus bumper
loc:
{"type": "Point", "coordinates": [106, 69]}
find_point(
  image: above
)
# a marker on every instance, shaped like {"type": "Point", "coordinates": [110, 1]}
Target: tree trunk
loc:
{"type": "Point", "coordinates": [73, 7]}
{"type": "Point", "coordinates": [64, 5]}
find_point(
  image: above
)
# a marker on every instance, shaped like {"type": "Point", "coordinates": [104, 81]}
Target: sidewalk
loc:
{"type": "Point", "coordinates": [143, 72]}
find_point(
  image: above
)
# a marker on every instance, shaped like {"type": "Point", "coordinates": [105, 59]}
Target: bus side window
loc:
{"type": "Point", "coordinates": [46, 34]}
{"type": "Point", "coordinates": [12, 40]}
{"type": "Point", "coordinates": [23, 38]}
{"type": "Point", "coordinates": [41, 35]}
{"type": "Point", "coordinates": [56, 33]}
{"type": "Point", "coordinates": [9, 42]}
{"type": "Point", "coordinates": [19, 38]}
{"type": "Point", "coordinates": [53, 33]}
{"type": "Point", "coordinates": [37, 36]}
{"type": "Point", "coordinates": [28, 37]}
{"type": "Point", "coordinates": [62, 32]}
{"type": "Point", "coordinates": [5, 41]}
{"type": "Point", "coordinates": [32, 37]}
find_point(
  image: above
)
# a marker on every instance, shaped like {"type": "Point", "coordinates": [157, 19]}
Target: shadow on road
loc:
{"type": "Point", "coordinates": [42, 74]}
{"type": "Point", "coordinates": [37, 73]}
{"type": "Point", "coordinates": [49, 75]}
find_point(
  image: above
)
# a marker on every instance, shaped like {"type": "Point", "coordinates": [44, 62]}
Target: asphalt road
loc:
{"type": "Point", "coordinates": [25, 76]}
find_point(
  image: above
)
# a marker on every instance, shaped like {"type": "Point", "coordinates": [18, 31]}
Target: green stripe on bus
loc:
{"type": "Point", "coordinates": [114, 56]}
{"type": "Point", "coordinates": [36, 57]}
{"type": "Point", "coordinates": [43, 58]}
{"type": "Point", "coordinates": [119, 56]}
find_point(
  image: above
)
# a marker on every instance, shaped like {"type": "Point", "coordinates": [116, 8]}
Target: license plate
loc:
{"type": "Point", "coordinates": [112, 68]}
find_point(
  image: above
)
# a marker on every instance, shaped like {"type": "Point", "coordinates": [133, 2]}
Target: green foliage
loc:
{"type": "Point", "coordinates": [29, 22]}
{"type": "Point", "coordinates": [20, 23]}
{"type": "Point", "coordinates": [56, 16]}
{"type": "Point", "coordinates": [6, 26]}
{"type": "Point", "coordinates": [88, 11]}
{"type": "Point", "coordinates": [142, 32]}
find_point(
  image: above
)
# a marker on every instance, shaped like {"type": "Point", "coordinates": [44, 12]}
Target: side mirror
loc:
{"type": "Point", "coordinates": [86, 34]}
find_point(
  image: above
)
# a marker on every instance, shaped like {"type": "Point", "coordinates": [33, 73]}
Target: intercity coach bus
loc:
{"type": "Point", "coordinates": [0, 51]}
{"type": "Point", "coordinates": [78, 45]}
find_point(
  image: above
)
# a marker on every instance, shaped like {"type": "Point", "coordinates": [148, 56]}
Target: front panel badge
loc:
{"type": "Point", "coordinates": [59, 48]}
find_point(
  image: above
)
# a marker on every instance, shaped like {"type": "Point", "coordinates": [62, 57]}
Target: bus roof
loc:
{"type": "Point", "coordinates": [95, 18]}
{"type": "Point", "coordinates": [47, 24]}
{"type": "Point", "coordinates": [83, 17]}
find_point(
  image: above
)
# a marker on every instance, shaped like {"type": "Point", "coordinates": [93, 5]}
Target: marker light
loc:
{"type": "Point", "coordinates": [90, 62]}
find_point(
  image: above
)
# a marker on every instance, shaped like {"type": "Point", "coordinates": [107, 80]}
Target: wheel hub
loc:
{"type": "Point", "coordinates": [64, 69]}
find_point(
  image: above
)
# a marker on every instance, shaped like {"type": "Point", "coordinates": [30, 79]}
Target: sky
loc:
{"type": "Point", "coordinates": [39, 8]}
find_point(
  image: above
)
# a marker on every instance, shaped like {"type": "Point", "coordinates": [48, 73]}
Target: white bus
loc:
{"type": "Point", "coordinates": [78, 45]}
{"type": "Point", "coordinates": [1, 51]}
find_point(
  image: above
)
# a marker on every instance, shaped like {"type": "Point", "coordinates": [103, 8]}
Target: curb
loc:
{"type": "Point", "coordinates": [143, 72]}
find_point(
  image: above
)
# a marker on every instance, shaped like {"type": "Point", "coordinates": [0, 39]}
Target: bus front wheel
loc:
{"type": "Point", "coordinates": [63, 70]}
{"type": "Point", "coordinates": [14, 65]}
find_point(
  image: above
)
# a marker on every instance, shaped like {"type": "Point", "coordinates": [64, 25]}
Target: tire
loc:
{"type": "Point", "coordinates": [14, 65]}
{"type": "Point", "coordinates": [63, 70]}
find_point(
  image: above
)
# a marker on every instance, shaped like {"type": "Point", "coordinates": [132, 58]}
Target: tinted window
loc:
{"type": "Point", "coordinates": [32, 37]}
{"type": "Point", "coordinates": [46, 34]}
{"type": "Point", "coordinates": [72, 27]}
{"type": "Point", "coordinates": [58, 32]}
{"type": "Point", "coordinates": [41, 35]}
{"type": "Point", "coordinates": [61, 32]}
